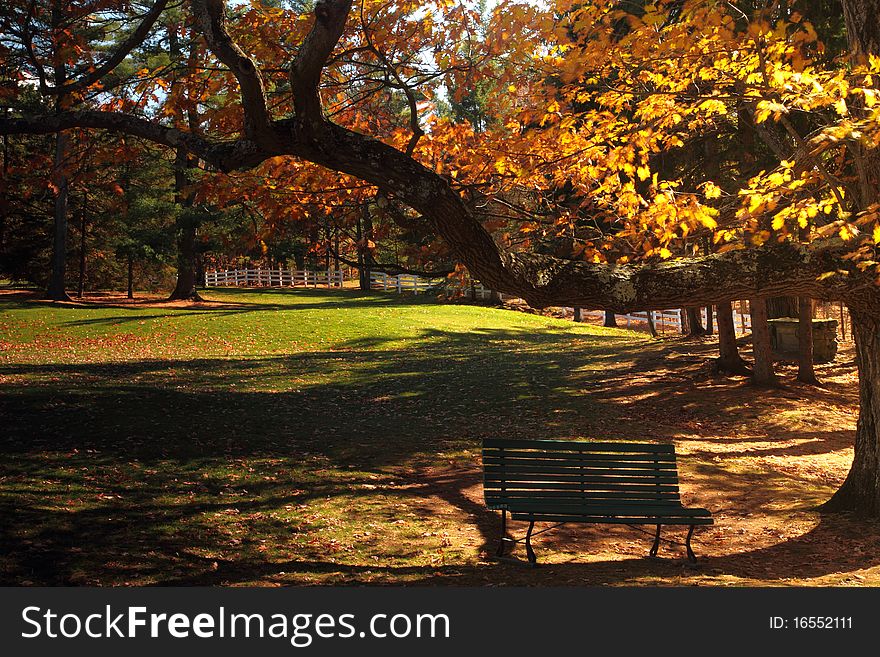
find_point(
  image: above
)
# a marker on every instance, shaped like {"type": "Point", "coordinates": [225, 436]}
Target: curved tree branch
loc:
{"type": "Point", "coordinates": [210, 15]}
{"type": "Point", "coordinates": [224, 155]}
{"type": "Point", "coordinates": [306, 68]}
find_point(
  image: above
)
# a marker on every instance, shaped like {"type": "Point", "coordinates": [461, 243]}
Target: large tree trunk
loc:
{"type": "Point", "coordinates": [763, 372]}
{"type": "Point", "coordinates": [578, 314]}
{"type": "Point", "coordinates": [860, 493]}
{"type": "Point", "coordinates": [185, 288]}
{"type": "Point", "coordinates": [710, 324]}
{"type": "Point", "coordinates": [806, 373]}
{"type": "Point", "coordinates": [610, 319]}
{"type": "Point", "coordinates": [729, 359]}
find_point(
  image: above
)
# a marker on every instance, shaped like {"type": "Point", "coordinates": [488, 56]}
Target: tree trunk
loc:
{"type": "Point", "coordinates": [695, 323]}
{"type": "Point", "coordinates": [130, 276]}
{"type": "Point", "coordinates": [651, 327]}
{"type": "Point", "coordinates": [782, 307]}
{"type": "Point", "coordinates": [763, 372]}
{"type": "Point", "coordinates": [56, 291]}
{"type": "Point", "coordinates": [4, 191]}
{"type": "Point", "coordinates": [185, 289]}
{"type": "Point", "coordinates": [610, 319]}
{"type": "Point", "coordinates": [805, 342]}
{"type": "Point", "coordinates": [729, 359]}
{"type": "Point", "coordinates": [860, 492]}
{"type": "Point", "coordinates": [578, 314]}
{"type": "Point", "coordinates": [80, 288]}
{"type": "Point", "coordinates": [364, 235]}
{"type": "Point", "coordinates": [710, 324]}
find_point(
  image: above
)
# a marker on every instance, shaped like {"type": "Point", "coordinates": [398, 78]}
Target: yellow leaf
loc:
{"type": "Point", "coordinates": [877, 234]}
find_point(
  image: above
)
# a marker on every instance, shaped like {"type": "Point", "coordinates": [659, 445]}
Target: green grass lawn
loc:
{"type": "Point", "coordinates": [300, 436]}
{"type": "Point", "coordinates": [146, 444]}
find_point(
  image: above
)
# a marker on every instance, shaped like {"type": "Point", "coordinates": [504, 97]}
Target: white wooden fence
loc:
{"type": "Point", "coordinates": [402, 283]}
{"type": "Point", "coordinates": [275, 277]}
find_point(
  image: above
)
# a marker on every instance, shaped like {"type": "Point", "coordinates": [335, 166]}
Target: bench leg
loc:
{"type": "Point", "coordinates": [529, 551]}
{"type": "Point", "coordinates": [691, 556]}
{"type": "Point", "coordinates": [656, 546]}
{"type": "Point", "coordinates": [500, 551]}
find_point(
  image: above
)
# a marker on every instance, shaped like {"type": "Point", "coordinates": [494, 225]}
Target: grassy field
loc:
{"type": "Point", "coordinates": [297, 437]}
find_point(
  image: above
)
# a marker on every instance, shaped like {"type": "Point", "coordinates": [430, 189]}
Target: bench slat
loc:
{"type": "Point", "coordinates": [553, 495]}
{"type": "Point", "coordinates": [537, 472]}
{"type": "Point", "coordinates": [565, 445]}
{"type": "Point", "coordinates": [635, 508]}
{"type": "Point", "coordinates": [637, 520]}
{"type": "Point", "coordinates": [504, 461]}
{"type": "Point", "coordinates": [587, 487]}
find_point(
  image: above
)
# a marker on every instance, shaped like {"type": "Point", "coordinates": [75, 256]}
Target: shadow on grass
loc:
{"type": "Point", "coordinates": [220, 471]}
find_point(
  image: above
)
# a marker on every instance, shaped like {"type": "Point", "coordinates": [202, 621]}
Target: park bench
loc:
{"type": "Point", "coordinates": [563, 482]}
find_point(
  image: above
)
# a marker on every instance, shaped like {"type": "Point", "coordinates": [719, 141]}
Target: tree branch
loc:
{"type": "Point", "coordinates": [134, 39]}
{"type": "Point", "coordinates": [316, 48]}
{"type": "Point", "coordinates": [224, 155]}
{"type": "Point", "coordinates": [210, 15]}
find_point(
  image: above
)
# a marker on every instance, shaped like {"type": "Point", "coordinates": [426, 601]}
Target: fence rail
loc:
{"type": "Point", "coordinates": [275, 277]}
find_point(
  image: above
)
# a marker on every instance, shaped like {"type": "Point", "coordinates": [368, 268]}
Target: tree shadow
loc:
{"type": "Point", "coordinates": [181, 472]}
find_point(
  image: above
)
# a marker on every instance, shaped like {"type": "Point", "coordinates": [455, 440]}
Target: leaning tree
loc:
{"type": "Point", "coordinates": [649, 79]}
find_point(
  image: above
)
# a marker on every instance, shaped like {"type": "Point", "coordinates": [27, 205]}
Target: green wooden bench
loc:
{"type": "Point", "coordinates": [562, 482]}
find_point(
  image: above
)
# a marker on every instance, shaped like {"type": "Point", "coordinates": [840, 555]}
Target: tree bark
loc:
{"type": "Point", "coordinates": [710, 323]}
{"type": "Point", "coordinates": [578, 314]}
{"type": "Point", "coordinates": [185, 288]}
{"type": "Point", "coordinates": [806, 373]}
{"type": "Point", "coordinates": [763, 373]}
{"type": "Point", "coordinates": [786, 306]}
{"type": "Point", "coordinates": [651, 327]}
{"type": "Point", "coordinates": [860, 492]}
{"type": "Point", "coordinates": [729, 359]}
{"type": "Point", "coordinates": [695, 324]}
{"type": "Point", "coordinates": [130, 276]}
{"type": "Point", "coordinates": [364, 257]}
{"type": "Point", "coordinates": [56, 289]}
{"type": "Point", "coordinates": [80, 288]}
{"type": "Point", "coordinates": [610, 319]}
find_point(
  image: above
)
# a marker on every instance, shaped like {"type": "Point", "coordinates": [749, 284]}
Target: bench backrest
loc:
{"type": "Point", "coordinates": [566, 472]}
